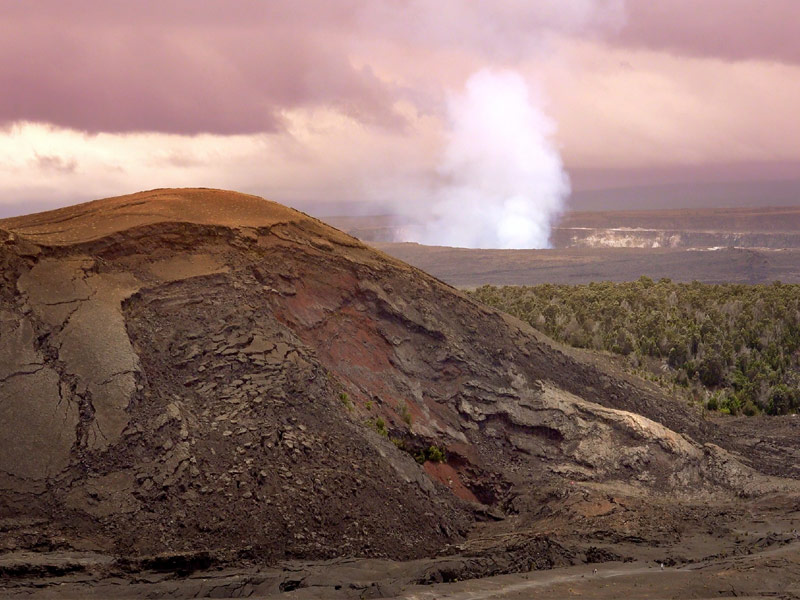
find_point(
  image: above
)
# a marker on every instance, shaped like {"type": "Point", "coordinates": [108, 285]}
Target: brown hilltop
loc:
{"type": "Point", "coordinates": [201, 206]}
{"type": "Point", "coordinates": [200, 370]}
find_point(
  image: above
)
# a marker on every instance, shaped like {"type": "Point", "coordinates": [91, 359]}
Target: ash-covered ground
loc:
{"type": "Point", "coordinates": [205, 394]}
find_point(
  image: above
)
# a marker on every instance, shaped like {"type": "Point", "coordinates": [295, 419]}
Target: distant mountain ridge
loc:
{"type": "Point", "coordinates": [771, 227]}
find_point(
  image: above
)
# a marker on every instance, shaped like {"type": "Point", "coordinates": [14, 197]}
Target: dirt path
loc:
{"type": "Point", "coordinates": [491, 588]}
{"type": "Point", "coordinates": [772, 573]}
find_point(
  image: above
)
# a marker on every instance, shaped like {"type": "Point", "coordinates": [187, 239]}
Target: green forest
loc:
{"type": "Point", "coordinates": [735, 348]}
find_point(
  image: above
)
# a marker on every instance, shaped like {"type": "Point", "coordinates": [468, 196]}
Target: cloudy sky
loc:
{"type": "Point", "coordinates": [320, 101]}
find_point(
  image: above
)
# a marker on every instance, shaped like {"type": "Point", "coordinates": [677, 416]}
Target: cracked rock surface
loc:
{"type": "Point", "coordinates": [196, 371]}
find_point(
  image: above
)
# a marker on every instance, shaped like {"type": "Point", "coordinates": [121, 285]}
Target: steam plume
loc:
{"type": "Point", "coordinates": [506, 182]}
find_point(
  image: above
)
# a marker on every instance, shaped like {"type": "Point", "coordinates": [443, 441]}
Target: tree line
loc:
{"type": "Point", "coordinates": [734, 347]}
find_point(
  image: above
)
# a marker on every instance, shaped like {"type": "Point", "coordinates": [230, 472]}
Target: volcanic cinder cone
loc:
{"type": "Point", "coordinates": [185, 370]}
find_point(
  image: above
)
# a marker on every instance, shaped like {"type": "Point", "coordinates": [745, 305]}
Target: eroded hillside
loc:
{"type": "Point", "coordinates": [203, 371]}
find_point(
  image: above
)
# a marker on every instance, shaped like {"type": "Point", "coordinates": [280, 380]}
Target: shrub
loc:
{"type": "Point", "coordinates": [711, 371]}
{"type": "Point", "coordinates": [432, 454]}
{"type": "Point", "coordinates": [405, 414]}
{"type": "Point", "coordinates": [782, 400]}
{"type": "Point", "coordinates": [436, 454]}
{"type": "Point", "coordinates": [380, 426]}
{"type": "Point", "coordinates": [750, 409]}
{"type": "Point", "coordinates": [742, 340]}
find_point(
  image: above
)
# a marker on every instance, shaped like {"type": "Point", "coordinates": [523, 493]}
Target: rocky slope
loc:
{"type": "Point", "coordinates": [198, 371]}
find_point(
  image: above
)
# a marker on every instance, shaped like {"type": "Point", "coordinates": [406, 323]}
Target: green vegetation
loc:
{"type": "Point", "coordinates": [346, 400]}
{"type": "Point", "coordinates": [734, 347]}
{"type": "Point", "coordinates": [405, 414]}
{"type": "Point", "coordinates": [422, 455]}
{"type": "Point", "coordinates": [432, 454]}
{"type": "Point", "coordinates": [380, 426]}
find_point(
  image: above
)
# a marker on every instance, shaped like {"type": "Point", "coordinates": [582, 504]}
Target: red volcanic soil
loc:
{"type": "Point", "coordinates": [447, 475]}
{"type": "Point", "coordinates": [196, 379]}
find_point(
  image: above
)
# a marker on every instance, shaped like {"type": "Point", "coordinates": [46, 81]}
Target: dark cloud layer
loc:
{"type": "Point", "coordinates": [120, 67]}
{"type": "Point", "coordinates": [191, 66]}
{"type": "Point", "coordinates": [725, 29]}
{"type": "Point", "coordinates": [235, 66]}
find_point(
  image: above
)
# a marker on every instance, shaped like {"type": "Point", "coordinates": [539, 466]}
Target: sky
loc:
{"type": "Point", "coordinates": [343, 106]}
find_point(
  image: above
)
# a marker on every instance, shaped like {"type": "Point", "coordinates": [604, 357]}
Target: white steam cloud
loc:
{"type": "Point", "coordinates": [506, 181]}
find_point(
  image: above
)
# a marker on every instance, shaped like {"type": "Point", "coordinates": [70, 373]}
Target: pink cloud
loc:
{"type": "Point", "coordinates": [726, 29]}
{"type": "Point", "coordinates": [191, 66]}
{"type": "Point", "coordinates": [191, 71]}
{"type": "Point", "coordinates": [638, 88]}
